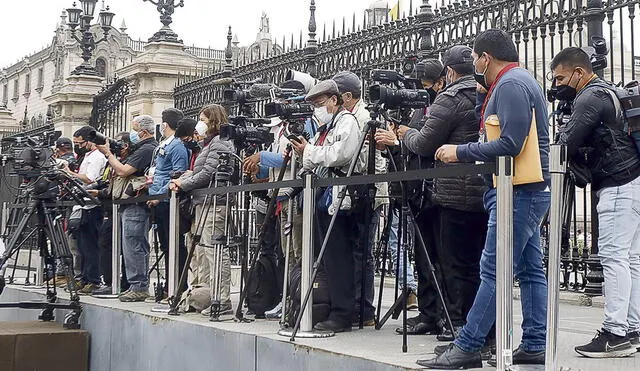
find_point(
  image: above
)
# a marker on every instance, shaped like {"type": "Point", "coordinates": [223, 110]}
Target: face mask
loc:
{"type": "Point", "coordinates": [192, 145]}
{"type": "Point", "coordinates": [432, 94]}
{"type": "Point", "coordinates": [202, 128]}
{"type": "Point", "coordinates": [480, 77]}
{"type": "Point", "coordinates": [567, 92]}
{"type": "Point", "coordinates": [79, 151]}
{"type": "Point", "coordinates": [323, 115]}
{"type": "Point", "coordinates": [133, 137]}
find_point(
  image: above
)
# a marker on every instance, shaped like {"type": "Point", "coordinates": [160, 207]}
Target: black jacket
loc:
{"type": "Point", "coordinates": [595, 130]}
{"type": "Point", "coordinates": [451, 120]}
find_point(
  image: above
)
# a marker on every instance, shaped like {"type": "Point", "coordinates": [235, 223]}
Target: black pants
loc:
{"type": "Point", "coordinates": [338, 263]}
{"type": "Point", "coordinates": [462, 236]}
{"type": "Point", "coordinates": [162, 220]}
{"type": "Point", "coordinates": [271, 244]}
{"type": "Point", "coordinates": [429, 303]}
{"type": "Point", "coordinates": [87, 237]}
{"type": "Point", "coordinates": [364, 248]}
{"type": "Point", "coordinates": [105, 245]}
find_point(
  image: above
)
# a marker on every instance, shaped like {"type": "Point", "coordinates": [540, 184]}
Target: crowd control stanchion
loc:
{"type": "Point", "coordinates": [174, 236]}
{"type": "Point", "coordinates": [558, 168]}
{"type": "Point", "coordinates": [306, 323]}
{"type": "Point", "coordinates": [504, 263]}
{"type": "Point", "coordinates": [116, 250]}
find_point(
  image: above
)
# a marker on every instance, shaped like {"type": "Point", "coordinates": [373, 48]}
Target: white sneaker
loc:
{"type": "Point", "coordinates": [274, 313]}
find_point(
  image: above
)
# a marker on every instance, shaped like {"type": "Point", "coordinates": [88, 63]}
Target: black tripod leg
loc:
{"type": "Point", "coordinates": [383, 247]}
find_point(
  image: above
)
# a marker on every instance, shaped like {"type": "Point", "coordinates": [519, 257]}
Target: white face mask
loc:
{"type": "Point", "coordinates": [323, 115]}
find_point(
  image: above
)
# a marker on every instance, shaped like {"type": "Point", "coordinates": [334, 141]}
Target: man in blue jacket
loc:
{"type": "Point", "coordinates": [513, 96]}
{"type": "Point", "coordinates": [170, 157]}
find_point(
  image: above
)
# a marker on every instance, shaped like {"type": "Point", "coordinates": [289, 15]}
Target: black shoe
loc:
{"type": "Point", "coordinates": [634, 339]}
{"type": "Point", "coordinates": [607, 345]}
{"type": "Point", "coordinates": [446, 334]}
{"type": "Point", "coordinates": [521, 357]}
{"type": "Point", "coordinates": [102, 290]}
{"type": "Point", "coordinates": [488, 351]}
{"type": "Point", "coordinates": [331, 325]}
{"type": "Point", "coordinates": [453, 358]}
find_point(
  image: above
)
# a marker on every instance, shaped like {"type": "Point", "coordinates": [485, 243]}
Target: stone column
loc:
{"type": "Point", "coordinates": [72, 104]}
{"type": "Point", "coordinates": [152, 77]}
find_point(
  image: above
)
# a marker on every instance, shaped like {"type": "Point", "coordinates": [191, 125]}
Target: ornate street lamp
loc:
{"type": "Point", "coordinates": [82, 18]}
{"type": "Point", "coordinates": [166, 8]}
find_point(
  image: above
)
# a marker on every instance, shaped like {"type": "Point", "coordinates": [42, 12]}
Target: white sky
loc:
{"type": "Point", "coordinates": [27, 26]}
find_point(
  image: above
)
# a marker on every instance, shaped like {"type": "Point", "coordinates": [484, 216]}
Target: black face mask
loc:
{"type": "Point", "coordinates": [566, 92]}
{"type": "Point", "coordinates": [432, 94]}
{"type": "Point", "coordinates": [480, 78]}
{"type": "Point", "coordinates": [80, 151]}
{"type": "Point", "coordinates": [192, 145]}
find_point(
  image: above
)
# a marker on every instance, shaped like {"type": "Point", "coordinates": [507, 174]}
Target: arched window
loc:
{"type": "Point", "coordinates": [101, 67]}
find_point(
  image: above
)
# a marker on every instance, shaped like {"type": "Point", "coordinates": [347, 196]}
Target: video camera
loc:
{"type": "Point", "coordinates": [31, 156]}
{"type": "Point", "coordinates": [244, 131]}
{"type": "Point", "coordinates": [406, 94]}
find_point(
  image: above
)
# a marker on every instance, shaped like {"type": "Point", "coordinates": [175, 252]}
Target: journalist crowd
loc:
{"type": "Point", "coordinates": [481, 105]}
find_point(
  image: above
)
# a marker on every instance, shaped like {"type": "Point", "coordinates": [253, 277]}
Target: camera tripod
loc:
{"type": "Point", "coordinates": [42, 203]}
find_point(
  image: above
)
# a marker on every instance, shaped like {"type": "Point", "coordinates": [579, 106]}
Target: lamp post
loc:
{"type": "Point", "coordinates": [81, 19]}
{"type": "Point", "coordinates": [166, 8]}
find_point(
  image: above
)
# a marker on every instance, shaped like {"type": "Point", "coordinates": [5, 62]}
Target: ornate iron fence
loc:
{"type": "Point", "coordinates": [540, 29]}
{"type": "Point", "coordinates": [109, 113]}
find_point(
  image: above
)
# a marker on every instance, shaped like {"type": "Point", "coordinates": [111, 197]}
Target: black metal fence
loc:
{"type": "Point", "coordinates": [109, 113]}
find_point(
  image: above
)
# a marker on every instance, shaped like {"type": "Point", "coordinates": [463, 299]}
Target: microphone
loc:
{"type": "Point", "coordinates": [262, 90]}
{"type": "Point", "coordinates": [223, 81]}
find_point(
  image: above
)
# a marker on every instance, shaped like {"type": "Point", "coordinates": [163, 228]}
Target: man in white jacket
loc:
{"type": "Point", "coordinates": [329, 155]}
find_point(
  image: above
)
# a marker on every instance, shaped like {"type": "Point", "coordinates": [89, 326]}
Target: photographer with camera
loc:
{"type": "Point", "coordinates": [429, 319]}
{"type": "Point", "coordinates": [134, 218]}
{"type": "Point", "coordinates": [202, 176]}
{"type": "Point", "coordinates": [452, 119]}
{"type": "Point", "coordinates": [329, 154]}
{"type": "Point", "coordinates": [102, 191]}
{"type": "Point", "coordinates": [64, 151]}
{"type": "Point", "coordinates": [86, 234]}
{"type": "Point", "coordinates": [597, 122]}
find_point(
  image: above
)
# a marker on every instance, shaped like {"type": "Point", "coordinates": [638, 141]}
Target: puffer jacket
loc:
{"type": "Point", "coordinates": [594, 127]}
{"type": "Point", "coordinates": [205, 167]}
{"type": "Point", "coordinates": [451, 120]}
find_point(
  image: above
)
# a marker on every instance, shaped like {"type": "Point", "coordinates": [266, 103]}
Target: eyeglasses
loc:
{"type": "Point", "coordinates": [319, 104]}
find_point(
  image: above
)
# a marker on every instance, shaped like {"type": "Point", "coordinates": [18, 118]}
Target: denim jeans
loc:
{"type": "Point", "coordinates": [393, 247]}
{"type": "Point", "coordinates": [619, 252]}
{"type": "Point", "coordinates": [528, 210]}
{"type": "Point", "coordinates": [135, 245]}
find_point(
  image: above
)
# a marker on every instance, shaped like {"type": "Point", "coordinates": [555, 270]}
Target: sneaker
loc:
{"type": "Point", "coordinates": [274, 313]}
{"type": "Point", "coordinates": [60, 281]}
{"type": "Point", "coordinates": [634, 339]}
{"type": "Point", "coordinates": [133, 296]}
{"type": "Point", "coordinates": [224, 309]}
{"type": "Point", "coordinates": [607, 345]}
{"type": "Point", "coordinates": [124, 292]}
{"type": "Point", "coordinates": [366, 323]}
{"type": "Point", "coordinates": [88, 289]}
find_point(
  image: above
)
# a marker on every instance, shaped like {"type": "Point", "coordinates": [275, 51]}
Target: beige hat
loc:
{"type": "Point", "coordinates": [326, 87]}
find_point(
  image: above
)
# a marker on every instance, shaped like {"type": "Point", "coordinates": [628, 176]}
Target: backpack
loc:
{"type": "Point", "coordinates": [263, 291]}
{"type": "Point", "coordinates": [321, 300]}
{"type": "Point", "coordinates": [627, 103]}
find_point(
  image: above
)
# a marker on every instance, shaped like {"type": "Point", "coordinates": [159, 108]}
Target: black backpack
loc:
{"type": "Point", "coordinates": [321, 299]}
{"type": "Point", "coordinates": [627, 103]}
{"type": "Point", "coordinates": [263, 293]}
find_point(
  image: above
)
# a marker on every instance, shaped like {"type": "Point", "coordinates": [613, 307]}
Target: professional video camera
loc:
{"type": "Point", "coordinates": [244, 131]}
{"type": "Point", "coordinates": [406, 94]}
{"type": "Point", "coordinates": [31, 156]}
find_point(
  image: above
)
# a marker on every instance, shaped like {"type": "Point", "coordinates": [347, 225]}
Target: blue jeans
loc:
{"type": "Point", "coordinates": [528, 210]}
{"type": "Point", "coordinates": [393, 247]}
{"type": "Point", "coordinates": [619, 252]}
{"type": "Point", "coordinates": [135, 246]}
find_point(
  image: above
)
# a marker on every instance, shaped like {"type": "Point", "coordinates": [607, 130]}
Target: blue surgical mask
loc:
{"type": "Point", "coordinates": [133, 136]}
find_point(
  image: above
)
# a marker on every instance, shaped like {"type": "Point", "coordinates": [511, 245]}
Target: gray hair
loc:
{"type": "Point", "coordinates": [146, 123]}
